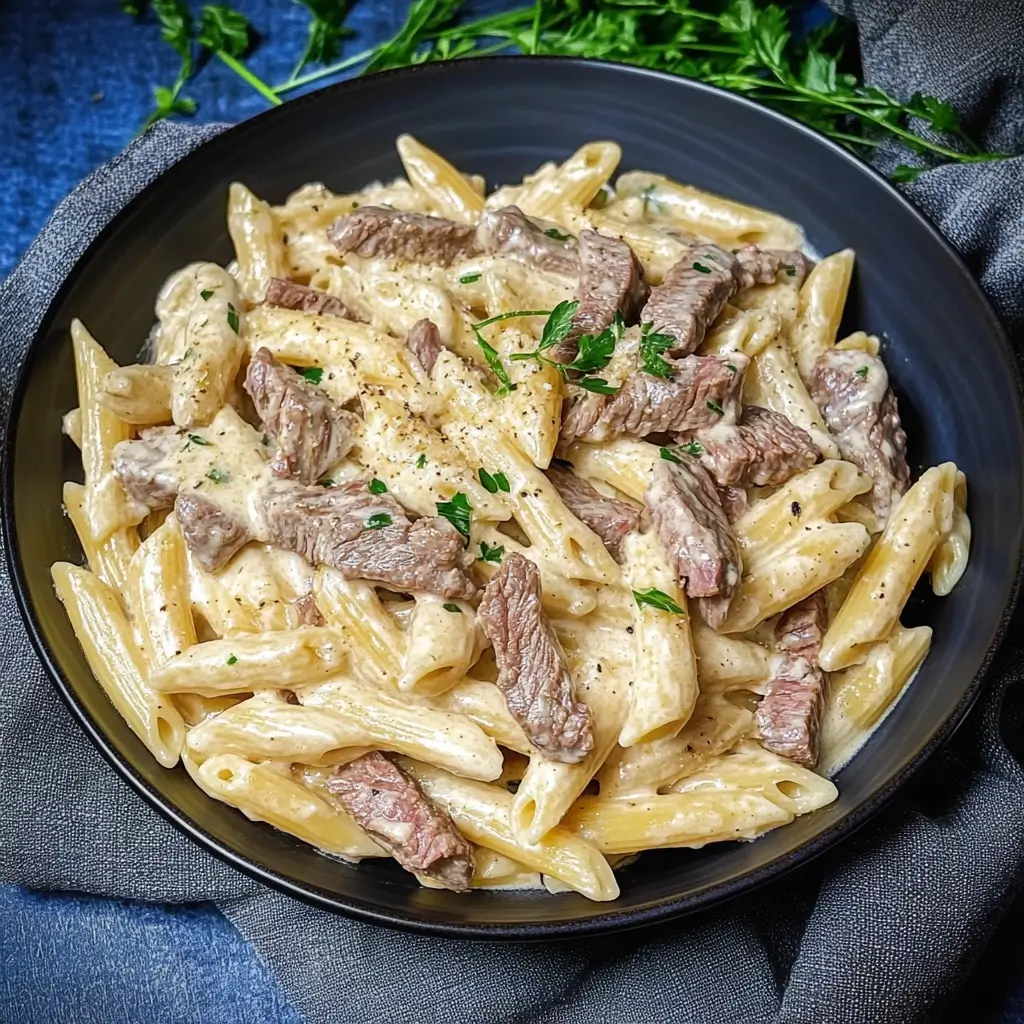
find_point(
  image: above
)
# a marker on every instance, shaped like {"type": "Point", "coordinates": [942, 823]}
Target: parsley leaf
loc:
{"type": "Point", "coordinates": [378, 520]}
{"type": "Point", "coordinates": [715, 406]}
{"type": "Point", "coordinates": [314, 374]}
{"type": "Point", "coordinates": [469, 278]}
{"type": "Point", "coordinates": [232, 318]}
{"type": "Point", "coordinates": [197, 439]}
{"type": "Point", "coordinates": [491, 554]}
{"type": "Point", "coordinates": [862, 372]}
{"type": "Point", "coordinates": [451, 606]}
{"type": "Point", "coordinates": [903, 173]}
{"type": "Point", "coordinates": [376, 486]}
{"type": "Point", "coordinates": [421, 461]}
{"type": "Point", "coordinates": [218, 476]}
{"type": "Point", "coordinates": [457, 512]}
{"type": "Point", "coordinates": [558, 325]}
{"type": "Point", "coordinates": [557, 235]}
{"type": "Point", "coordinates": [205, 294]}
{"type": "Point", "coordinates": [224, 30]}
{"type": "Point", "coordinates": [232, 660]}
{"type": "Point", "coordinates": [701, 269]}
{"type": "Point", "coordinates": [598, 385]}
{"type": "Point", "coordinates": [505, 383]}
{"type": "Point", "coordinates": [493, 482]}
{"type": "Point", "coordinates": [692, 448]}
{"type": "Point", "coordinates": [657, 599]}
{"type": "Point", "coordinates": [595, 350]}
{"type": "Point", "coordinates": [326, 30]}
{"type": "Point", "coordinates": [652, 344]}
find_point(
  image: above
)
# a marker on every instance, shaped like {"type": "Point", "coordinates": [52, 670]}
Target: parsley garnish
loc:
{"type": "Point", "coordinates": [205, 294]}
{"type": "Point", "coordinates": [652, 344]}
{"type": "Point", "coordinates": [314, 374]}
{"type": "Point", "coordinates": [469, 278]}
{"type": "Point", "coordinates": [669, 456]}
{"type": "Point", "coordinates": [232, 660]}
{"type": "Point", "coordinates": [326, 30]}
{"type": "Point", "coordinates": [598, 385]}
{"type": "Point", "coordinates": [691, 448]}
{"type": "Point", "coordinates": [731, 367]}
{"type": "Point", "coordinates": [196, 439]}
{"type": "Point", "coordinates": [559, 236]}
{"type": "Point", "coordinates": [451, 606]}
{"type": "Point", "coordinates": [493, 483]}
{"type": "Point", "coordinates": [491, 554]}
{"type": "Point", "coordinates": [714, 406]}
{"type": "Point", "coordinates": [421, 461]}
{"type": "Point", "coordinates": [649, 201]}
{"type": "Point", "coordinates": [701, 269]}
{"type": "Point", "coordinates": [789, 269]}
{"type": "Point", "coordinates": [232, 318]}
{"type": "Point", "coordinates": [218, 476]}
{"type": "Point", "coordinates": [491, 353]}
{"type": "Point", "coordinates": [378, 520]}
{"type": "Point", "coordinates": [457, 512]}
{"type": "Point", "coordinates": [377, 486]}
{"type": "Point", "coordinates": [862, 373]}
{"type": "Point", "coordinates": [266, 440]}
{"type": "Point", "coordinates": [657, 599]}
{"type": "Point", "coordinates": [326, 482]}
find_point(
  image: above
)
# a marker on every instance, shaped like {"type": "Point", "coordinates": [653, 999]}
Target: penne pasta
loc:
{"type": "Point", "coordinates": [109, 559]}
{"type": "Point", "coordinates": [258, 242]}
{"type": "Point", "coordinates": [443, 187]}
{"type": "Point", "coordinates": [820, 310]}
{"type": "Point", "coordinates": [138, 394]}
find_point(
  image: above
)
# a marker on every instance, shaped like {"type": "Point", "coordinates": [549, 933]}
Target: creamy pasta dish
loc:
{"type": "Point", "coordinates": [507, 535]}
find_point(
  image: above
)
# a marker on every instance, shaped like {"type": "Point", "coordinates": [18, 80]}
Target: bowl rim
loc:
{"type": "Point", "coordinates": [661, 911]}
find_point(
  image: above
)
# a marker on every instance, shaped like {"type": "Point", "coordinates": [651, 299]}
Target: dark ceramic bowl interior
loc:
{"type": "Point", "coordinates": [951, 366]}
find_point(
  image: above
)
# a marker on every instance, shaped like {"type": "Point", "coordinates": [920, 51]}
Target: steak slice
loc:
{"type": "Point", "coordinates": [509, 232]}
{"type": "Point", "coordinates": [306, 300]}
{"type": "Point", "coordinates": [851, 388]}
{"type": "Point", "coordinates": [790, 712]}
{"type": "Point", "coordinates": [391, 807]}
{"type": "Point", "coordinates": [144, 468]}
{"type": "Point", "coordinates": [312, 433]}
{"type": "Point", "coordinates": [424, 342]}
{"type": "Point", "coordinates": [410, 237]}
{"type": "Point", "coordinates": [609, 518]}
{"type": "Point", "coordinates": [703, 391]}
{"type": "Point", "coordinates": [695, 533]}
{"type": "Point", "coordinates": [532, 673]}
{"type": "Point", "coordinates": [734, 502]}
{"type": "Point", "coordinates": [764, 449]}
{"type": "Point", "coordinates": [611, 281]}
{"type": "Point", "coordinates": [366, 536]}
{"type": "Point", "coordinates": [212, 533]}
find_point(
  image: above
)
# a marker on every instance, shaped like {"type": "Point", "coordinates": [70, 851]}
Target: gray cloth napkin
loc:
{"type": "Point", "coordinates": [881, 929]}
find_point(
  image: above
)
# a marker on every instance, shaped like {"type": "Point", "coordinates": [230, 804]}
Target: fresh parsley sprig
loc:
{"type": "Point", "coordinates": [457, 512]}
{"type": "Point", "coordinates": [493, 359]}
{"type": "Point", "coordinates": [654, 598]}
{"type": "Point", "coordinates": [652, 344]}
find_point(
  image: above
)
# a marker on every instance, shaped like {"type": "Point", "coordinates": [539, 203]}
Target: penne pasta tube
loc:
{"type": "Point", "coordinates": [822, 299]}
{"type": "Point", "coordinates": [289, 658]}
{"type": "Point", "coordinates": [115, 661]}
{"type": "Point", "coordinates": [442, 645]}
{"type": "Point", "coordinates": [409, 726]}
{"type": "Point", "coordinates": [71, 426]}
{"type": "Point", "coordinates": [195, 709]}
{"type": "Point", "coordinates": [923, 517]}
{"type": "Point", "coordinates": [728, 662]}
{"type": "Point", "coordinates": [259, 247]}
{"type": "Point", "coordinates": [481, 814]}
{"type": "Point", "coordinates": [949, 562]}
{"type": "Point", "coordinates": [139, 394]}
{"type": "Point", "coordinates": [444, 188]}
{"type": "Point", "coordinates": [571, 184]}
{"type": "Point", "coordinates": [664, 679]}
{"type": "Point", "coordinates": [482, 702]}
{"type": "Point", "coordinates": [263, 794]}
{"type": "Point", "coordinates": [624, 464]}
{"type": "Point", "coordinates": [108, 558]}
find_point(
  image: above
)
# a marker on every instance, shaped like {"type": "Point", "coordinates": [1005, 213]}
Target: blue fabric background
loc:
{"type": "Point", "coordinates": [76, 80]}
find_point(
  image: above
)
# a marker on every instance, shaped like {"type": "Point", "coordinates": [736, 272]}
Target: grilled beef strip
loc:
{"type": "Point", "coordinates": [312, 433]}
{"type": "Point", "coordinates": [306, 300]}
{"type": "Point", "coordinates": [695, 534]}
{"type": "Point", "coordinates": [509, 232]}
{"type": "Point", "coordinates": [377, 231]}
{"type": "Point", "coordinates": [790, 712]}
{"type": "Point", "coordinates": [212, 533]}
{"type": "Point", "coordinates": [851, 388]}
{"type": "Point", "coordinates": [763, 449]}
{"type": "Point", "coordinates": [390, 806]}
{"type": "Point", "coordinates": [532, 673]}
{"type": "Point", "coordinates": [609, 518]}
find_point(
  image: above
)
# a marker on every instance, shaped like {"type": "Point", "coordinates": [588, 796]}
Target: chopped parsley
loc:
{"type": "Point", "coordinates": [491, 554]}
{"type": "Point", "coordinates": [205, 294]}
{"type": "Point", "coordinates": [559, 236]}
{"type": "Point", "coordinates": [493, 482]}
{"type": "Point", "coordinates": [691, 448]}
{"type": "Point", "coordinates": [457, 512]}
{"type": "Point", "coordinates": [326, 482]}
{"type": "Point", "coordinates": [862, 373]}
{"type": "Point", "coordinates": [378, 520]}
{"type": "Point", "coordinates": [598, 385]}
{"type": "Point", "coordinates": [314, 374]}
{"type": "Point", "coordinates": [218, 476]}
{"type": "Point", "coordinates": [715, 407]}
{"type": "Point", "coordinates": [266, 440]}
{"type": "Point", "coordinates": [701, 269]}
{"type": "Point", "coordinates": [731, 367]}
{"type": "Point", "coordinates": [232, 318]}
{"type": "Point", "coordinates": [469, 278]}
{"type": "Point", "coordinates": [657, 599]}
{"type": "Point", "coordinates": [196, 439]}
{"type": "Point", "coordinates": [652, 344]}
{"type": "Point", "coordinates": [789, 269]}
{"type": "Point", "coordinates": [232, 660]}
{"type": "Point", "coordinates": [377, 486]}
{"type": "Point", "coordinates": [649, 201]}
{"type": "Point", "coordinates": [670, 456]}
{"type": "Point", "coordinates": [451, 606]}
{"type": "Point", "coordinates": [421, 461]}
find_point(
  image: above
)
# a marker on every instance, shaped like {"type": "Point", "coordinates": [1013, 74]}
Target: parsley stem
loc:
{"type": "Point", "coordinates": [247, 76]}
{"type": "Point", "coordinates": [535, 48]}
{"type": "Point", "coordinates": [514, 314]}
{"type": "Point", "coordinates": [331, 69]}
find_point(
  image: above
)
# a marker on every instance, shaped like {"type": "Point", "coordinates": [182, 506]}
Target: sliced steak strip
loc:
{"type": "Point", "coordinates": [393, 809]}
{"type": "Point", "coordinates": [144, 468]}
{"type": "Point", "coordinates": [367, 537]}
{"type": "Point", "coordinates": [611, 281]}
{"type": "Point", "coordinates": [424, 342]}
{"type": "Point", "coordinates": [790, 712]}
{"type": "Point", "coordinates": [211, 532]}
{"type": "Point", "coordinates": [852, 390]}
{"type": "Point", "coordinates": [531, 665]}
{"type": "Point", "coordinates": [312, 433]}
{"type": "Point", "coordinates": [509, 232]}
{"type": "Point", "coordinates": [306, 300]}
{"type": "Point", "coordinates": [695, 533]}
{"type": "Point", "coordinates": [609, 518]}
{"type": "Point", "coordinates": [702, 392]}
{"type": "Point", "coordinates": [764, 449]}
{"type": "Point", "coordinates": [734, 502]}
{"type": "Point", "coordinates": [410, 237]}
{"type": "Point", "coordinates": [794, 266]}
{"type": "Point", "coordinates": [755, 266]}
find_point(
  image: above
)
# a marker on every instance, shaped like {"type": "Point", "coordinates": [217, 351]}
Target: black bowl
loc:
{"type": "Point", "coordinates": [951, 365]}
